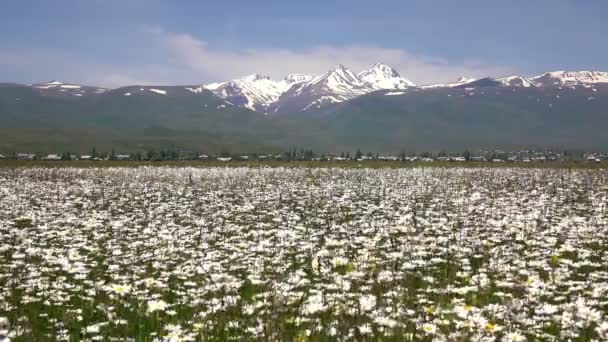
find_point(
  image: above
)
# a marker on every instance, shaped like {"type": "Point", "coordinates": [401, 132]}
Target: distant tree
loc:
{"type": "Point", "coordinates": [93, 153]}
{"type": "Point", "coordinates": [467, 155]}
{"type": "Point", "coordinates": [358, 154]}
{"type": "Point", "coordinates": [151, 155]}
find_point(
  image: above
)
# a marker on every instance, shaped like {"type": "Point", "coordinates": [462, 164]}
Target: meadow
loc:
{"type": "Point", "coordinates": [166, 253]}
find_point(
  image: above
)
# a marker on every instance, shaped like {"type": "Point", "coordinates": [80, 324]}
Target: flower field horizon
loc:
{"type": "Point", "coordinates": [203, 254]}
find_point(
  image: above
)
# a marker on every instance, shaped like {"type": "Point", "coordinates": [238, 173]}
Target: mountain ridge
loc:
{"type": "Point", "coordinates": [484, 113]}
{"type": "Point", "coordinates": [297, 93]}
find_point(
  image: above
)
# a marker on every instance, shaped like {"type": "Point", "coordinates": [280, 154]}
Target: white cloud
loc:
{"type": "Point", "coordinates": [38, 65]}
{"type": "Point", "coordinates": [177, 58]}
{"type": "Point", "coordinates": [222, 64]}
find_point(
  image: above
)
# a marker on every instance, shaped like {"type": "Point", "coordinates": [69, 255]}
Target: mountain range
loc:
{"type": "Point", "coordinates": [300, 93]}
{"type": "Point", "coordinates": [376, 109]}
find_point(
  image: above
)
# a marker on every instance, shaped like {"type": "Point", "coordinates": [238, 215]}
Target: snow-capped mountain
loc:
{"type": "Point", "coordinates": [336, 85]}
{"type": "Point", "coordinates": [558, 78]}
{"type": "Point", "coordinates": [340, 84]}
{"type": "Point", "coordinates": [299, 92]}
{"type": "Point", "coordinates": [516, 81]}
{"type": "Point", "coordinates": [260, 93]}
{"type": "Point", "coordinates": [61, 88]}
{"type": "Point", "coordinates": [460, 81]}
{"type": "Point", "coordinates": [382, 76]}
{"type": "Point", "coordinates": [338, 81]}
{"type": "Point", "coordinates": [255, 92]}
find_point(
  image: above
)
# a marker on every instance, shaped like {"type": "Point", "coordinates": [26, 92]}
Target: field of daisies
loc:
{"type": "Point", "coordinates": [199, 254]}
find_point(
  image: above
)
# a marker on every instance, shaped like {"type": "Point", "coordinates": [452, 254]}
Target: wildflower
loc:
{"type": "Point", "coordinates": [602, 330]}
{"type": "Point", "coordinates": [313, 304]}
{"type": "Point", "coordinates": [514, 337]}
{"type": "Point", "coordinates": [120, 289]}
{"type": "Point", "coordinates": [174, 333]}
{"type": "Point", "coordinates": [92, 329]}
{"type": "Point", "coordinates": [365, 329]}
{"type": "Point", "coordinates": [463, 311]}
{"type": "Point", "coordinates": [367, 302]}
{"type": "Point", "coordinates": [5, 326]}
{"type": "Point", "coordinates": [492, 328]}
{"type": "Point", "coordinates": [429, 328]}
{"type": "Point", "coordinates": [157, 305]}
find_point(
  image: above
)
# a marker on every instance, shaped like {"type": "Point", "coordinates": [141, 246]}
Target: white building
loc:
{"type": "Point", "coordinates": [52, 157]}
{"type": "Point", "coordinates": [25, 156]}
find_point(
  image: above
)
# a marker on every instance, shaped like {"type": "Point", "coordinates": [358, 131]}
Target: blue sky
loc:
{"type": "Point", "coordinates": [112, 42]}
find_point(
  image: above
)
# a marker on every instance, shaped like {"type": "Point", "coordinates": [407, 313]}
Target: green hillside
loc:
{"type": "Point", "coordinates": [485, 117]}
{"type": "Point", "coordinates": [140, 118]}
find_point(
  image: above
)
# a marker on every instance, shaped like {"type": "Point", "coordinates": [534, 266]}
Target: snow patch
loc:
{"type": "Point", "coordinates": [516, 81]}
{"type": "Point", "coordinates": [572, 77]}
{"type": "Point", "coordinates": [197, 90]}
{"type": "Point", "coordinates": [158, 91]}
{"type": "Point", "coordinates": [460, 81]}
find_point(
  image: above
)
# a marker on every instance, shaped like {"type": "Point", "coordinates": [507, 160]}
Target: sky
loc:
{"type": "Point", "coordinates": [165, 42]}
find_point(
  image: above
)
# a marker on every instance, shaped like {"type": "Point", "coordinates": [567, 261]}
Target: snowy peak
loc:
{"type": "Point", "coordinates": [516, 81]}
{"type": "Point", "coordinates": [298, 92]}
{"type": "Point", "coordinates": [259, 92]}
{"type": "Point", "coordinates": [571, 77]}
{"type": "Point", "coordinates": [382, 76]}
{"type": "Point", "coordinates": [380, 69]}
{"type": "Point", "coordinates": [254, 91]}
{"type": "Point", "coordinates": [341, 74]}
{"type": "Point", "coordinates": [338, 84]}
{"type": "Point", "coordinates": [340, 81]}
